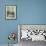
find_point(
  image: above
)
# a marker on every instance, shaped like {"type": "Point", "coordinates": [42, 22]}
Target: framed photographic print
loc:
{"type": "Point", "coordinates": [10, 12]}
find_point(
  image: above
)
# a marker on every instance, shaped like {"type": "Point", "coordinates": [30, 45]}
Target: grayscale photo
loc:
{"type": "Point", "coordinates": [10, 12]}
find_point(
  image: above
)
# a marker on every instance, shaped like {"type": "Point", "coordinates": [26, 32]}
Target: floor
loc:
{"type": "Point", "coordinates": [7, 45]}
{"type": "Point", "coordinates": [30, 43]}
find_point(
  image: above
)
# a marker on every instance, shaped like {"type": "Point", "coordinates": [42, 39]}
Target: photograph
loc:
{"type": "Point", "coordinates": [10, 12]}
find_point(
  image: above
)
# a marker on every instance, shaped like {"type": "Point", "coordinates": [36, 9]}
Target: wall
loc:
{"type": "Point", "coordinates": [7, 26]}
{"type": "Point", "coordinates": [28, 12]}
{"type": "Point", "coordinates": [33, 11]}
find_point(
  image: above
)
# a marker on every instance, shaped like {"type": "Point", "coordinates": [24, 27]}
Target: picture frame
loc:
{"type": "Point", "coordinates": [10, 12]}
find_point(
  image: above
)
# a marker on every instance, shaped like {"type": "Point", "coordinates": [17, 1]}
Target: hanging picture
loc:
{"type": "Point", "coordinates": [10, 12]}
